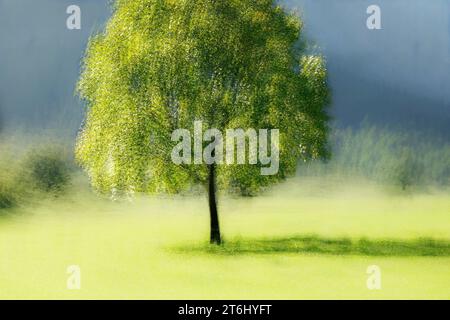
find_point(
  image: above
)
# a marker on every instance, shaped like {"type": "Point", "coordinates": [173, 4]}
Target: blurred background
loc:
{"type": "Point", "coordinates": [398, 75]}
{"type": "Point", "coordinates": [390, 87]}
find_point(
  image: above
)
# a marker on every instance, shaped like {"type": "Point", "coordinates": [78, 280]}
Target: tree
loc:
{"type": "Point", "coordinates": [408, 170]}
{"type": "Point", "coordinates": [161, 65]}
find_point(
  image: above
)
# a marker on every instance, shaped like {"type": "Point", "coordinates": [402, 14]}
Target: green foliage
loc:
{"type": "Point", "coordinates": [30, 173]}
{"type": "Point", "coordinates": [47, 170]}
{"type": "Point", "coordinates": [388, 156]}
{"type": "Point", "coordinates": [8, 191]}
{"type": "Point", "coordinates": [162, 64]}
{"type": "Point", "coordinates": [7, 199]}
{"type": "Point", "coordinates": [409, 170]}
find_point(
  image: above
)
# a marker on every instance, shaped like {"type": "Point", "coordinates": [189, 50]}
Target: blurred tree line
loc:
{"type": "Point", "coordinates": [385, 155]}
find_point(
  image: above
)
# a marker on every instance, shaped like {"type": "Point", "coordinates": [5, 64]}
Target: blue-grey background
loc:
{"type": "Point", "coordinates": [398, 76]}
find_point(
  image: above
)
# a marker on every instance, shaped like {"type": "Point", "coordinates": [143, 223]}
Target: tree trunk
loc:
{"type": "Point", "coordinates": [215, 228]}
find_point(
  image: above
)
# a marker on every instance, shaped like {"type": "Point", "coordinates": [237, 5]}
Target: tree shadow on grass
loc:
{"type": "Point", "coordinates": [319, 245]}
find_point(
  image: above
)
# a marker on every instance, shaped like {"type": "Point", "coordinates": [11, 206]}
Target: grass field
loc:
{"type": "Point", "coordinates": [303, 241]}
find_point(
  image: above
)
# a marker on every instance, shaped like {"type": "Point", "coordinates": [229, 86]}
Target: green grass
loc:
{"type": "Point", "coordinates": [156, 248]}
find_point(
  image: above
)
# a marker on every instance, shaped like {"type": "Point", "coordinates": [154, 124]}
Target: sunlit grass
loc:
{"type": "Point", "coordinates": [132, 250]}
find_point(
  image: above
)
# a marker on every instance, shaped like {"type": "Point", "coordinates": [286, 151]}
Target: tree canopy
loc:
{"type": "Point", "coordinates": [161, 65]}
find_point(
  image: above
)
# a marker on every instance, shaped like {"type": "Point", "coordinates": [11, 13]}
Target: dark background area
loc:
{"type": "Point", "coordinates": [398, 76]}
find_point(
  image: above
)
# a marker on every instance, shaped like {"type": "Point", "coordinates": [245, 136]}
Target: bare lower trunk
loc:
{"type": "Point", "coordinates": [212, 198]}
